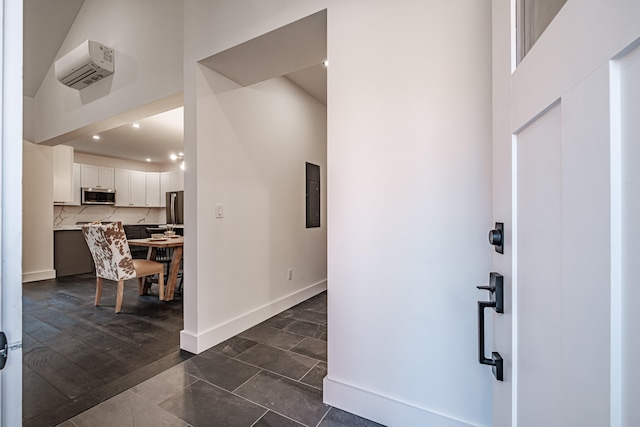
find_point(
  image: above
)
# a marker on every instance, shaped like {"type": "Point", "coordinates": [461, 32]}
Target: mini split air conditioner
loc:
{"type": "Point", "coordinates": [86, 64]}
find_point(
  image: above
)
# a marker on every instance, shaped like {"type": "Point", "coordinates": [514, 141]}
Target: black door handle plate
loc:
{"type": "Point", "coordinates": [496, 301]}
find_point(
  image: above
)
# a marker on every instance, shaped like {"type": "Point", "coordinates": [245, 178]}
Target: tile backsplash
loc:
{"type": "Point", "coordinates": [70, 215]}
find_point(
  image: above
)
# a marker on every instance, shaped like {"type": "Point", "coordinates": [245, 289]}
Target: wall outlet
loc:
{"type": "Point", "coordinates": [290, 276]}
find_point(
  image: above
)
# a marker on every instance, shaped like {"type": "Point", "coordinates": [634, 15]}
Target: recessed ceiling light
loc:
{"type": "Point", "coordinates": [96, 137]}
{"type": "Point", "coordinates": [173, 157]}
{"type": "Point", "coordinates": [325, 62]}
{"type": "Point", "coordinates": [148, 160]}
{"type": "Point", "coordinates": [136, 125]}
{"type": "Point", "coordinates": [180, 154]}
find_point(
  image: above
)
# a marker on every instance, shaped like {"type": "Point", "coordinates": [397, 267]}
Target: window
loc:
{"type": "Point", "coordinates": [533, 17]}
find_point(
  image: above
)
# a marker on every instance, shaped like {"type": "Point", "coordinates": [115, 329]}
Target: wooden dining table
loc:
{"type": "Point", "coordinates": [177, 244]}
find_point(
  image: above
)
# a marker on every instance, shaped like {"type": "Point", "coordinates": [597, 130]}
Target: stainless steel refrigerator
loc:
{"type": "Point", "coordinates": [175, 207]}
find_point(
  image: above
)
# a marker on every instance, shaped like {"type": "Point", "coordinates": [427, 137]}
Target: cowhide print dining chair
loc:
{"type": "Point", "coordinates": [112, 257]}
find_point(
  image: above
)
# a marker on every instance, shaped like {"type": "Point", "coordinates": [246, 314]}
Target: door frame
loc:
{"type": "Point", "coordinates": [11, 212]}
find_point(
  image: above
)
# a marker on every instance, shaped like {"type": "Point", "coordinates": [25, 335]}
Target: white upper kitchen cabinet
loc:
{"type": "Point", "coordinates": [76, 185]}
{"type": "Point", "coordinates": [122, 179]}
{"type": "Point", "coordinates": [62, 174]}
{"type": "Point", "coordinates": [170, 181]}
{"type": "Point", "coordinates": [75, 201]}
{"type": "Point", "coordinates": [130, 188]}
{"type": "Point", "coordinates": [152, 189]}
{"type": "Point", "coordinates": [97, 176]}
{"type": "Point", "coordinates": [138, 190]}
{"type": "Point", "coordinates": [164, 187]}
{"type": "Point", "coordinates": [176, 180]}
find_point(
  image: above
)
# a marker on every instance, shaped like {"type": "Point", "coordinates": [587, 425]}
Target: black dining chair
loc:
{"type": "Point", "coordinates": [164, 255]}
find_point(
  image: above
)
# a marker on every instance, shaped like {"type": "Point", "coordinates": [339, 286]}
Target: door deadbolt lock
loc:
{"type": "Point", "coordinates": [496, 237]}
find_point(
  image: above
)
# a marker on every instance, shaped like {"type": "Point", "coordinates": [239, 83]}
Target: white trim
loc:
{"type": "Point", "coordinates": [615, 129]}
{"type": "Point", "coordinates": [514, 280]}
{"type": "Point", "coordinates": [199, 343]}
{"type": "Point", "coordinates": [34, 276]}
{"type": "Point", "coordinates": [383, 409]}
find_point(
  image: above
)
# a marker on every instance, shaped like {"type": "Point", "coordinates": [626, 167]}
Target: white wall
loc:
{"type": "Point", "coordinates": [409, 160]}
{"type": "Point", "coordinates": [211, 27]}
{"type": "Point", "coordinates": [147, 38]}
{"type": "Point", "coordinates": [28, 114]}
{"type": "Point", "coordinates": [37, 213]}
{"type": "Point", "coordinates": [255, 142]}
{"type": "Point", "coordinates": [409, 207]}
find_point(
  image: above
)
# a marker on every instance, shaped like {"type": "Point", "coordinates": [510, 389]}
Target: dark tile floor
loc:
{"type": "Point", "coordinates": [269, 375]}
{"type": "Point", "coordinates": [76, 356]}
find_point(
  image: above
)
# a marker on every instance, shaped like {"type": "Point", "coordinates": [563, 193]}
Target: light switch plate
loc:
{"type": "Point", "coordinates": [219, 211]}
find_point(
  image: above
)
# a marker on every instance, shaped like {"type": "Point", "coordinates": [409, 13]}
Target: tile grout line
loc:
{"type": "Point", "coordinates": [278, 413]}
{"type": "Point", "coordinates": [293, 353]}
{"type": "Point", "coordinates": [43, 378]}
{"type": "Point", "coordinates": [67, 314]}
{"type": "Point", "coordinates": [233, 392]}
{"type": "Point", "coordinates": [324, 416]}
{"type": "Point", "coordinates": [261, 370]}
{"type": "Point", "coordinates": [260, 417]}
{"type": "Point", "coordinates": [266, 370]}
{"type": "Point", "coordinates": [255, 403]}
{"type": "Point", "coordinates": [310, 369]}
{"type": "Point", "coordinates": [248, 379]}
{"type": "Point", "coordinates": [195, 378]}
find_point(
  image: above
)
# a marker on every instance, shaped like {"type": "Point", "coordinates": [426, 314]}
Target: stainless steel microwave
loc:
{"type": "Point", "coordinates": [98, 196]}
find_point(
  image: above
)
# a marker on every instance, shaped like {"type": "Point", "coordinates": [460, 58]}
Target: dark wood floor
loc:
{"type": "Point", "coordinates": [77, 355]}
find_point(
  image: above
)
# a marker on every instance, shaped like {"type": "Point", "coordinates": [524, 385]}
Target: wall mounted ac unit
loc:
{"type": "Point", "coordinates": [86, 64]}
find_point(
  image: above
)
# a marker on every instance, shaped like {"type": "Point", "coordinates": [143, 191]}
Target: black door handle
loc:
{"type": "Point", "coordinates": [496, 291]}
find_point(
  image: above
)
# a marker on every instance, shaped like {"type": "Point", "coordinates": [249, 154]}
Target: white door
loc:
{"type": "Point", "coordinates": [11, 213]}
{"type": "Point", "coordinates": [567, 186]}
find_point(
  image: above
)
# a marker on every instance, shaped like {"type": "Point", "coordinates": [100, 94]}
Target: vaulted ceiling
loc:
{"type": "Point", "coordinates": [46, 24]}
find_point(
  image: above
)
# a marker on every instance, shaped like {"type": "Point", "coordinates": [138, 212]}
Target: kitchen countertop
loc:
{"type": "Point", "coordinates": [67, 227]}
{"type": "Point", "coordinates": [79, 227]}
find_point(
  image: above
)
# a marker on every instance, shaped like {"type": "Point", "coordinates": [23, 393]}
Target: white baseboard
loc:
{"type": "Point", "coordinates": [34, 276]}
{"type": "Point", "coordinates": [383, 409]}
{"type": "Point", "coordinates": [199, 342]}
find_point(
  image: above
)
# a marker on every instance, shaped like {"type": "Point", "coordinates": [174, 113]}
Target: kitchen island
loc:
{"type": "Point", "coordinates": [70, 252]}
